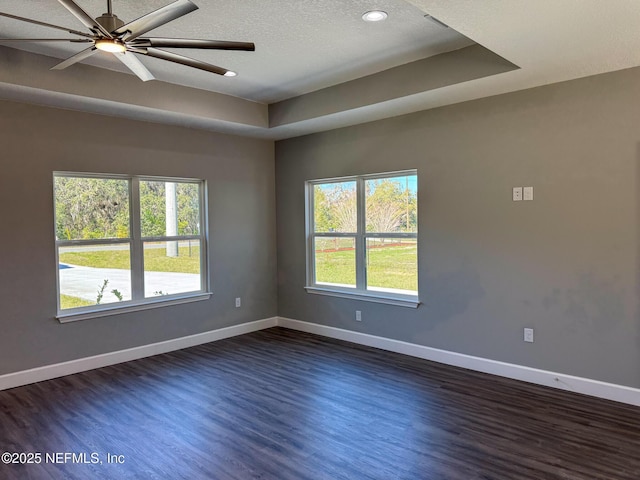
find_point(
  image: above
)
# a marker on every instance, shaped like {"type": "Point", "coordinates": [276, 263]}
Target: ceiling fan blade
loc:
{"type": "Point", "coordinates": [189, 43]}
{"type": "Point", "coordinates": [190, 62]}
{"type": "Point", "coordinates": [84, 17]}
{"type": "Point", "coordinates": [73, 40]}
{"type": "Point", "coordinates": [135, 65]}
{"type": "Point", "coordinates": [76, 58]}
{"type": "Point", "coordinates": [43, 24]}
{"type": "Point", "coordinates": [154, 19]}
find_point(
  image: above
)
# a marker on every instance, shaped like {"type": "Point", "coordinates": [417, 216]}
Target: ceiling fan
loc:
{"type": "Point", "coordinates": [110, 34]}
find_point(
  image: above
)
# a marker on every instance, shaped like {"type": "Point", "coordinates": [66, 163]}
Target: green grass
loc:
{"type": "Point", "coordinates": [67, 301]}
{"type": "Point", "coordinates": [388, 267]}
{"type": "Point", "coordinates": [336, 267]}
{"type": "Point", "coordinates": [155, 260]}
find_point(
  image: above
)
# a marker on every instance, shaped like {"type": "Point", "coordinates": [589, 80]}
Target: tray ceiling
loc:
{"type": "Point", "coordinates": [317, 65]}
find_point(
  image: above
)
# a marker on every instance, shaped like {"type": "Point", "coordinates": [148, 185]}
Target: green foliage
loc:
{"type": "Point", "coordinates": [101, 290]}
{"type": "Point", "coordinates": [391, 206]}
{"type": "Point", "coordinates": [117, 294]}
{"type": "Point", "coordinates": [335, 207]}
{"type": "Point", "coordinates": [153, 208]}
{"type": "Point", "coordinates": [95, 208]}
{"type": "Point", "coordinates": [188, 208]}
{"type": "Point", "coordinates": [322, 220]}
{"type": "Point", "coordinates": [89, 208]}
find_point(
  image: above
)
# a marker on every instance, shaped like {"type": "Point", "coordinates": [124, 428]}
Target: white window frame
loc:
{"type": "Point", "coordinates": [136, 250]}
{"type": "Point", "coordinates": [360, 291]}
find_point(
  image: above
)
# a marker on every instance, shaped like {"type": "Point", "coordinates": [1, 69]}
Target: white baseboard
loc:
{"type": "Point", "coordinates": [595, 388]}
{"type": "Point", "coordinates": [48, 372]}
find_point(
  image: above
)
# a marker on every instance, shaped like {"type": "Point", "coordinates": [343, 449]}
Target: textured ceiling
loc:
{"type": "Point", "coordinates": [300, 46]}
{"type": "Point", "coordinates": [318, 66]}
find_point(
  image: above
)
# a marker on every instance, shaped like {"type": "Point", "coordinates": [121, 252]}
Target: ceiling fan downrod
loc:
{"type": "Point", "coordinates": [108, 20]}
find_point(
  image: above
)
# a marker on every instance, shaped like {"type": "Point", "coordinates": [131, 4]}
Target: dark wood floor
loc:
{"type": "Point", "coordinates": [280, 404]}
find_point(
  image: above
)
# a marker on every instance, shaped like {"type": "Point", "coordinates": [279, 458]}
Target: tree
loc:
{"type": "Point", "coordinates": [152, 209]}
{"type": "Point", "coordinates": [390, 206]}
{"type": "Point", "coordinates": [345, 209]}
{"type": "Point", "coordinates": [88, 208]}
{"type": "Point", "coordinates": [153, 215]}
{"type": "Point", "coordinates": [188, 208]}
{"type": "Point", "coordinates": [91, 208]}
{"type": "Point", "coordinates": [335, 208]}
{"type": "Point", "coordinates": [322, 218]}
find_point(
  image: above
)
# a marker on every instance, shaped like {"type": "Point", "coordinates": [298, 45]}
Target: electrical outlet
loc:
{"type": "Point", "coordinates": [238, 302]}
{"type": "Point", "coordinates": [528, 335]}
{"type": "Point", "coordinates": [517, 194]}
{"type": "Point", "coordinates": [358, 316]}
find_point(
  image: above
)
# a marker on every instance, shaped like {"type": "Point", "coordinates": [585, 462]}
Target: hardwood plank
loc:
{"type": "Point", "coordinates": [281, 404]}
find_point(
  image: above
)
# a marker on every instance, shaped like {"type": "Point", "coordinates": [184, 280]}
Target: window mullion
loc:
{"type": "Point", "coordinates": [361, 267]}
{"type": "Point", "coordinates": [137, 250]}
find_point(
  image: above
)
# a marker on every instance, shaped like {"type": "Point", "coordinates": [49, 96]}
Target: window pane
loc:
{"type": "Point", "coordinates": [335, 207]}
{"type": "Point", "coordinates": [391, 204]}
{"type": "Point", "coordinates": [169, 208]}
{"type": "Point", "coordinates": [171, 267]}
{"type": "Point", "coordinates": [91, 208]}
{"type": "Point", "coordinates": [392, 265]}
{"type": "Point", "coordinates": [94, 274]}
{"type": "Point", "coordinates": [335, 261]}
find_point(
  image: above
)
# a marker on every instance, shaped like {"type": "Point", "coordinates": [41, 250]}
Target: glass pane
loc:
{"type": "Point", "coordinates": [94, 275]}
{"type": "Point", "coordinates": [335, 207]}
{"type": "Point", "coordinates": [171, 267]}
{"type": "Point", "coordinates": [169, 208]}
{"type": "Point", "coordinates": [335, 261]}
{"type": "Point", "coordinates": [91, 208]}
{"type": "Point", "coordinates": [392, 265]}
{"type": "Point", "coordinates": [392, 204]}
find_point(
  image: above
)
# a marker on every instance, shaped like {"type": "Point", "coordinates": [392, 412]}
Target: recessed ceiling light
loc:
{"type": "Point", "coordinates": [375, 16]}
{"type": "Point", "coordinates": [229, 73]}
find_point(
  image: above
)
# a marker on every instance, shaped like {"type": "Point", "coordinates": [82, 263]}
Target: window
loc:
{"type": "Point", "coordinates": [362, 237]}
{"type": "Point", "coordinates": [126, 242]}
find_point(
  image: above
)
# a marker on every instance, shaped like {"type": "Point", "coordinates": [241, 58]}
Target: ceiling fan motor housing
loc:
{"type": "Point", "coordinates": [109, 21]}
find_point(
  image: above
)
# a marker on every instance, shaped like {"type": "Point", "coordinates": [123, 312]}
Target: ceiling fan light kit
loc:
{"type": "Point", "coordinates": [110, 34]}
{"type": "Point", "coordinates": [111, 46]}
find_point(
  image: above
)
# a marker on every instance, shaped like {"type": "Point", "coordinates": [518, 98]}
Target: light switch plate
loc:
{"type": "Point", "coordinates": [527, 193]}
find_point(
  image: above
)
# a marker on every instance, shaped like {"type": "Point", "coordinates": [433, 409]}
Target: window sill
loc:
{"type": "Point", "coordinates": [116, 310]}
{"type": "Point", "coordinates": [389, 299]}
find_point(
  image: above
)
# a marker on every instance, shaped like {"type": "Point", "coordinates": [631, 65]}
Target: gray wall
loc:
{"type": "Point", "coordinates": [565, 264]}
{"type": "Point", "coordinates": [36, 141]}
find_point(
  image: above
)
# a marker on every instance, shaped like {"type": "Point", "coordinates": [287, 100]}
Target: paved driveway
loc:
{"type": "Point", "coordinates": [84, 282]}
